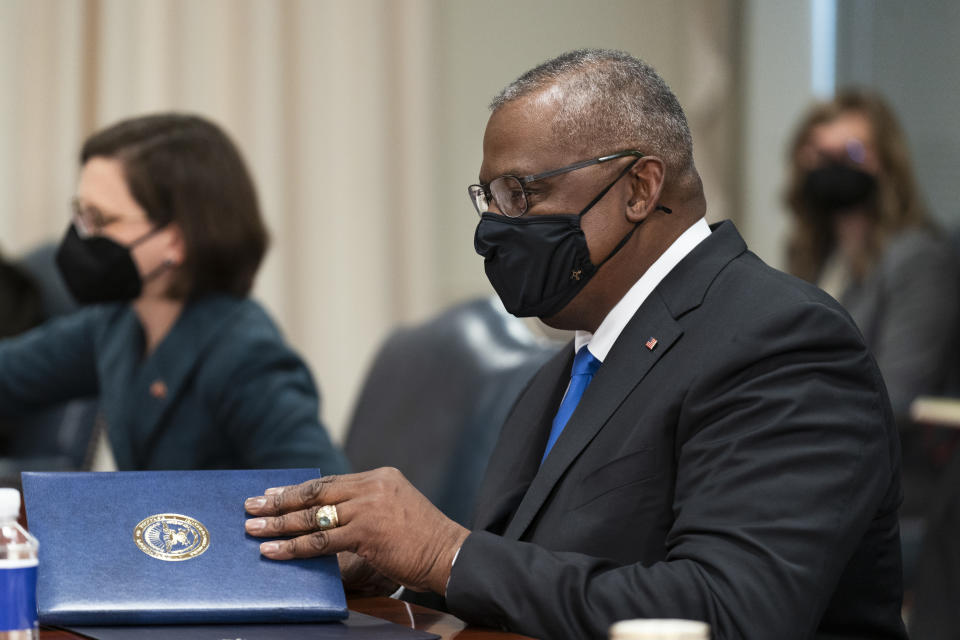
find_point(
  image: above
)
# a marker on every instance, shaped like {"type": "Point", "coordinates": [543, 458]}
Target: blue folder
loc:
{"type": "Point", "coordinates": [152, 547]}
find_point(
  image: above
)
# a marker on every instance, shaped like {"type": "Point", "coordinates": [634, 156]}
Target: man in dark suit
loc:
{"type": "Point", "coordinates": [720, 448]}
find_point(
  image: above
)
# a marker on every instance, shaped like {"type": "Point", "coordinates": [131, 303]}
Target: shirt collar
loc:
{"type": "Point", "coordinates": [609, 330]}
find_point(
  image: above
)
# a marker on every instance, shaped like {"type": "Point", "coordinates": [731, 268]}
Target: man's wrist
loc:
{"type": "Point", "coordinates": [450, 574]}
{"type": "Point", "coordinates": [450, 558]}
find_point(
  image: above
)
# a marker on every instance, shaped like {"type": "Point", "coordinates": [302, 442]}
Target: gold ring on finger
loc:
{"type": "Point", "coordinates": [326, 517]}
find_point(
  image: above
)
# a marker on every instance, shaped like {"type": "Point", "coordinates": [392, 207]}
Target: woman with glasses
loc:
{"type": "Point", "coordinates": [165, 242]}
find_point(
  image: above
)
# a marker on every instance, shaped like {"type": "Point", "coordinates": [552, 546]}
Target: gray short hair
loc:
{"type": "Point", "coordinates": [611, 101]}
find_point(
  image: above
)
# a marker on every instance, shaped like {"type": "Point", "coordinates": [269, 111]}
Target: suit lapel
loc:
{"type": "Point", "coordinates": [626, 365]}
{"type": "Point", "coordinates": [516, 457]}
{"type": "Point", "coordinates": [629, 361]}
{"type": "Point", "coordinates": [162, 378]}
{"type": "Point", "coordinates": [117, 368]}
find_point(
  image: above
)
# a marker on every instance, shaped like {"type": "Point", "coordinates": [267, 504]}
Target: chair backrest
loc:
{"type": "Point", "coordinates": [952, 387]}
{"type": "Point", "coordinates": [56, 438]}
{"type": "Point", "coordinates": [41, 265]}
{"type": "Point", "coordinates": [436, 396]}
{"type": "Point", "coordinates": [934, 614]}
{"type": "Point", "coordinates": [20, 303]}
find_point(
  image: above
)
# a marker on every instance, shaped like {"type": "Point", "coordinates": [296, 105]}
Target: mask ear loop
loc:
{"type": "Point", "coordinates": [167, 262]}
{"type": "Point", "coordinates": [629, 234]}
{"type": "Point", "coordinates": [610, 186]}
{"type": "Point", "coordinates": [600, 195]}
{"type": "Point", "coordinates": [166, 265]}
{"type": "Point", "coordinates": [620, 244]}
{"type": "Point", "coordinates": [146, 236]}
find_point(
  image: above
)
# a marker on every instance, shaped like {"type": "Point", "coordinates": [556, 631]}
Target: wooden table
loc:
{"type": "Point", "coordinates": [414, 616]}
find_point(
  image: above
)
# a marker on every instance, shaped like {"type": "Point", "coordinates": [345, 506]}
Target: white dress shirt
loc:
{"type": "Point", "coordinates": [609, 330]}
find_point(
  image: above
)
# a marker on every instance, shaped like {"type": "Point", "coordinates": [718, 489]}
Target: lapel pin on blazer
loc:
{"type": "Point", "coordinates": [158, 389]}
{"type": "Point", "coordinates": [651, 343]}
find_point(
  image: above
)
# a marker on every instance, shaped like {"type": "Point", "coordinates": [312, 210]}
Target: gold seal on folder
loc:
{"type": "Point", "coordinates": [171, 536]}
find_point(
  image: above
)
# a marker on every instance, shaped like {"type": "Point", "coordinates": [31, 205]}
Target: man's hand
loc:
{"type": "Point", "coordinates": [361, 579]}
{"type": "Point", "coordinates": [383, 519]}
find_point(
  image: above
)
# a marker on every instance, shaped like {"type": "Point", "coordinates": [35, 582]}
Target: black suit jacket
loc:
{"type": "Point", "coordinates": [743, 471]}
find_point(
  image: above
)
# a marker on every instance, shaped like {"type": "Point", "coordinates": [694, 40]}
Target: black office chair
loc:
{"type": "Point", "coordinates": [20, 302]}
{"type": "Point", "coordinates": [40, 264]}
{"type": "Point", "coordinates": [57, 438]}
{"type": "Point", "coordinates": [436, 397]}
{"type": "Point", "coordinates": [934, 615]}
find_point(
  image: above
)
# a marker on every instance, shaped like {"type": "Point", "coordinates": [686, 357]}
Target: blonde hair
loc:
{"type": "Point", "coordinates": [899, 204]}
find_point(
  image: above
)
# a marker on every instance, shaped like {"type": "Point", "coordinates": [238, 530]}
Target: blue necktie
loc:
{"type": "Point", "coordinates": [584, 366]}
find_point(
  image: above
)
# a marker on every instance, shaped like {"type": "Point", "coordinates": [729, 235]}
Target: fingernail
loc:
{"type": "Point", "coordinates": [254, 503]}
{"type": "Point", "coordinates": [269, 547]}
{"type": "Point", "coordinates": [256, 524]}
{"type": "Point", "coordinates": [273, 490]}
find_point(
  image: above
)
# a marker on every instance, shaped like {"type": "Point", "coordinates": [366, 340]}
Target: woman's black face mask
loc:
{"type": "Point", "coordinates": [99, 269]}
{"type": "Point", "coordinates": [835, 187]}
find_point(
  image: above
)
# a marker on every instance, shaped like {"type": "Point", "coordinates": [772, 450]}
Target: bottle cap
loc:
{"type": "Point", "coordinates": [9, 503]}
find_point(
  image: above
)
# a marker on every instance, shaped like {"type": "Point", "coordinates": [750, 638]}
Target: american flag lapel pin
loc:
{"type": "Point", "coordinates": [158, 389]}
{"type": "Point", "coordinates": [651, 343]}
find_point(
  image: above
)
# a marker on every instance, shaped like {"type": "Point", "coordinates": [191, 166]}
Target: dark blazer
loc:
{"type": "Point", "coordinates": [743, 471]}
{"type": "Point", "coordinates": [221, 390]}
{"type": "Point", "coordinates": [908, 309]}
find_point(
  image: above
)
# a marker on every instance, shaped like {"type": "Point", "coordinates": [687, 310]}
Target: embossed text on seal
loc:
{"type": "Point", "coordinates": [171, 536]}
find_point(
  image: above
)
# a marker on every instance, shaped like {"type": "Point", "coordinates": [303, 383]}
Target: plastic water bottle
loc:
{"type": "Point", "coordinates": [18, 573]}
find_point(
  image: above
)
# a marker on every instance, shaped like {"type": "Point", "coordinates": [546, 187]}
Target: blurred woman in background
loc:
{"type": "Point", "coordinates": [164, 244]}
{"type": "Point", "coordinates": [862, 233]}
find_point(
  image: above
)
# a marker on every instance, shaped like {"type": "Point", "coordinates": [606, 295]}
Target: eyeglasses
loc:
{"type": "Point", "coordinates": [508, 194]}
{"type": "Point", "coordinates": [89, 220]}
{"type": "Point", "coordinates": [853, 153]}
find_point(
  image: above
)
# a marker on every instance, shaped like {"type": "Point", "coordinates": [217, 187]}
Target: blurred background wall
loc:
{"type": "Point", "coordinates": [362, 122]}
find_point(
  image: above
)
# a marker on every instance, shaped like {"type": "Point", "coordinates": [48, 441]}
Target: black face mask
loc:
{"type": "Point", "coordinates": [538, 264]}
{"type": "Point", "coordinates": [835, 187]}
{"type": "Point", "coordinates": [98, 269]}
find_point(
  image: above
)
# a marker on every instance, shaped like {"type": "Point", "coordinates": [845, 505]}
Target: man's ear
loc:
{"type": "Point", "coordinates": [646, 180]}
